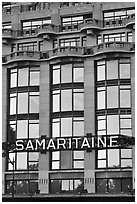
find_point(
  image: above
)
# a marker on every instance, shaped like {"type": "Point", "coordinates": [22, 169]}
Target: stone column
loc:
{"type": "Point", "coordinates": [89, 124]}
{"type": "Point", "coordinates": [44, 126]}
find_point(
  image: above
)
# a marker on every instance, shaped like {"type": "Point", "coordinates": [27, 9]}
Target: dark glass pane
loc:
{"type": "Point", "coordinates": [22, 160]}
{"type": "Point", "coordinates": [22, 187]}
{"type": "Point", "coordinates": [22, 129]}
{"type": "Point", "coordinates": [9, 187]}
{"type": "Point", "coordinates": [101, 186]}
{"type": "Point", "coordinates": [126, 185]}
{"type": "Point", "coordinates": [78, 185]}
{"type": "Point", "coordinates": [33, 187]}
{"type": "Point", "coordinates": [23, 77]}
{"type": "Point", "coordinates": [114, 185]}
{"type": "Point", "coordinates": [22, 103]}
{"type": "Point", "coordinates": [113, 158]}
{"type": "Point", "coordinates": [112, 97]}
{"type": "Point", "coordinates": [34, 78]}
{"type": "Point", "coordinates": [112, 69]}
{"type": "Point", "coordinates": [66, 159]}
{"type": "Point", "coordinates": [55, 186]}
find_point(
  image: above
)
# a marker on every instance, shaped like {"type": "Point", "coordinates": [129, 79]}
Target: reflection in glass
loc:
{"type": "Point", "coordinates": [22, 103]}
{"type": "Point", "coordinates": [66, 73]}
{"type": "Point", "coordinates": [114, 185]}
{"type": "Point", "coordinates": [113, 158]}
{"type": "Point", "coordinates": [22, 187]}
{"type": "Point", "coordinates": [125, 98]}
{"type": "Point", "coordinates": [101, 186]}
{"type": "Point", "coordinates": [34, 78]}
{"type": "Point", "coordinates": [112, 97]}
{"type": "Point", "coordinates": [33, 130]}
{"type": "Point", "coordinates": [34, 104]}
{"type": "Point", "coordinates": [112, 69]}
{"type": "Point", "coordinates": [66, 127]}
{"type": "Point", "coordinates": [126, 185]}
{"type": "Point", "coordinates": [112, 124]}
{"type": "Point", "coordinates": [23, 77]}
{"type": "Point", "coordinates": [66, 100]}
{"type": "Point", "coordinates": [22, 160]}
{"type": "Point", "coordinates": [22, 129]}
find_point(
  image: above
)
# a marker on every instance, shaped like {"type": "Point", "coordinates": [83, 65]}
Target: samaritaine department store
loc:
{"type": "Point", "coordinates": [68, 98]}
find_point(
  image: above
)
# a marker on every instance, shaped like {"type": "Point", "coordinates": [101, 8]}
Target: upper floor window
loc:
{"type": "Point", "coordinates": [129, 37]}
{"type": "Point", "coordinates": [114, 37]}
{"type": "Point", "coordinates": [113, 18]}
{"type": "Point", "coordinates": [6, 25]}
{"type": "Point", "coordinates": [69, 42]}
{"type": "Point", "coordinates": [7, 8]}
{"type": "Point", "coordinates": [72, 23]}
{"type": "Point", "coordinates": [27, 46]}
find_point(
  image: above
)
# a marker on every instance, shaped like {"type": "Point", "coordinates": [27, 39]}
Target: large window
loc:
{"type": "Point", "coordinates": [114, 18]}
{"type": "Point", "coordinates": [72, 23]}
{"type": "Point", "coordinates": [32, 46]}
{"type": "Point", "coordinates": [115, 37]}
{"type": "Point", "coordinates": [113, 87]}
{"type": "Point", "coordinates": [69, 42]}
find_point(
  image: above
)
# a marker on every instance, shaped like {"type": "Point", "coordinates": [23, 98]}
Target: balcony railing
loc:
{"type": "Point", "coordinates": [70, 51]}
{"type": "Point", "coordinates": [21, 55]}
{"type": "Point", "coordinates": [66, 51]}
{"type": "Point", "coordinates": [91, 23]}
{"type": "Point", "coordinates": [47, 29]}
{"type": "Point", "coordinates": [112, 47]}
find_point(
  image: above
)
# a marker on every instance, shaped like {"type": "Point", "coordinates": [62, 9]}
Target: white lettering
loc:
{"type": "Point", "coordinates": [101, 141]}
{"type": "Point", "coordinates": [29, 145]}
{"type": "Point", "coordinates": [113, 141]}
{"type": "Point", "coordinates": [51, 144]}
{"type": "Point", "coordinates": [61, 144]}
{"type": "Point", "coordinates": [38, 143]}
{"type": "Point", "coordinates": [19, 145]}
{"type": "Point", "coordinates": [76, 141]}
{"type": "Point", "coordinates": [85, 143]}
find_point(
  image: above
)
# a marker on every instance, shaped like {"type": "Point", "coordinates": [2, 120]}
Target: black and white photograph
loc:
{"type": "Point", "coordinates": [68, 101]}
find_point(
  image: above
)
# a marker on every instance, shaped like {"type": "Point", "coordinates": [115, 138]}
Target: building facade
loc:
{"type": "Point", "coordinates": [68, 70]}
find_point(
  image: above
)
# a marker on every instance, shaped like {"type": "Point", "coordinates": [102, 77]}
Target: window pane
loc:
{"type": "Point", "coordinates": [65, 185]}
{"type": "Point", "coordinates": [101, 124]}
{"type": "Point", "coordinates": [22, 103]}
{"type": "Point", "coordinates": [34, 78]}
{"type": "Point", "coordinates": [78, 74]}
{"type": "Point", "coordinates": [113, 158]}
{"type": "Point", "coordinates": [114, 186]}
{"type": "Point", "coordinates": [101, 163]}
{"type": "Point", "coordinates": [126, 153]}
{"type": "Point", "coordinates": [56, 76]}
{"type": "Point", "coordinates": [113, 124]}
{"type": "Point", "coordinates": [55, 186]}
{"type": "Point", "coordinates": [66, 73]}
{"type": "Point", "coordinates": [78, 164]}
{"type": "Point", "coordinates": [112, 97]}
{"type": "Point", "coordinates": [34, 104]}
{"type": "Point", "coordinates": [33, 130]}
{"type": "Point", "coordinates": [55, 155]}
{"type": "Point", "coordinates": [101, 186]}
{"type": "Point", "coordinates": [78, 101]}
{"type": "Point", "coordinates": [23, 77]}
{"type": "Point", "coordinates": [101, 100]}
{"type": "Point", "coordinates": [101, 154]}
{"type": "Point", "coordinates": [125, 123]}
{"type": "Point", "coordinates": [55, 165]}
{"type": "Point", "coordinates": [55, 129]}
{"type": "Point", "coordinates": [22, 160]}
{"type": "Point", "coordinates": [126, 162]}
{"type": "Point", "coordinates": [22, 129]}
{"type": "Point", "coordinates": [13, 80]}
{"type": "Point", "coordinates": [78, 154]}
{"type": "Point", "coordinates": [127, 132]}
{"type": "Point", "coordinates": [124, 71]}
{"type": "Point", "coordinates": [56, 103]}
{"type": "Point", "coordinates": [78, 128]}
{"type": "Point", "coordinates": [33, 156]}
{"type": "Point", "coordinates": [11, 157]}
{"type": "Point", "coordinates": [12, 106]}
{"type": "Point", "coordinates": [22, 187]}
{"type": "Point", "coordinates": [125, 98]}
{"type": "Point", "coordinates": [66, 127]}
{"type": "Point", "coordinates": [66, 100]}
{"type": "Point", "coordinates": [66, 159]}
{"type": "Point", "coordinates": [112, 69]}
{"type": "Point", "coordinates": [101, 72]}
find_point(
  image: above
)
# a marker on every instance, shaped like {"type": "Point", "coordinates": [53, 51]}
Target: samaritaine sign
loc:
{"type": "Point", "coordinates": [72, 143]}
